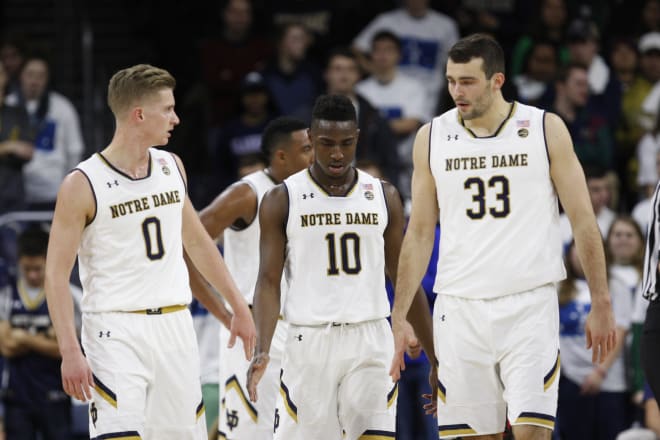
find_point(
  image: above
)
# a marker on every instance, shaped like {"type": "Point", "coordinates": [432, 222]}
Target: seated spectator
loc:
{"type": "Point", "coordinates": [540, 70]}
{"type": "Point", "coordinates": [647, 151]}
{"type": "Point", "coordinates": [400, 99]}
{"type": "Point", "coordinates": [589, 127]}
{"type": "Point", "coordinates": [604, 88]}
{"type": "Point", "coordinates": [239, 142]}
{"type": "Point", "coordinates": [642, 210]}
{"type": "Point", "coordinates": [376, 143]}
{"type": "Point", "coordinates": [227, 58]}
{"type": "Point", "coordinates": [293, 81]}
{"type": "Point", "coordinates": [35, 403]}
{"type": "Point", "coordinates": [425, 35]}
{"type": "Point", "coordinates": [651, 428]}
{"type": "Point", "coordinates": [548, 24]}
{"type": "Point", "coordinates": [600, 195]}
{"type": "Point", "coordinates": [12, 56]}
{"type": "Point", "coordinates": [16, 150]}
{"type": "Point", "coordinates": [593, 403]}
{"type": "Point", "coordinates": [58, 144]}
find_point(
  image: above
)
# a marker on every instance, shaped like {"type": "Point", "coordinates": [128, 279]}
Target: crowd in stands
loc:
{"type": "Point", "coordinates": [595, 64]}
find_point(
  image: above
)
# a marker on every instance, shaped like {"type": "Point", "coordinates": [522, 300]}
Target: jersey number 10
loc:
{"type": "Point", "coordinates": [349, 265]}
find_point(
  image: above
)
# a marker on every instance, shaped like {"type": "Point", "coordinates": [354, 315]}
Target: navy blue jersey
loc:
{"type": "Point", "coordinates": [33, 378]}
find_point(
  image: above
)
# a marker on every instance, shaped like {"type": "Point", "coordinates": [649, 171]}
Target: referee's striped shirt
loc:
{"type": "Point", "coordinates": [652, 253]}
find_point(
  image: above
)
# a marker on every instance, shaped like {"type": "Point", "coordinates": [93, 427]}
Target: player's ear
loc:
{"type": "Point", "coordinates": [498, 80]}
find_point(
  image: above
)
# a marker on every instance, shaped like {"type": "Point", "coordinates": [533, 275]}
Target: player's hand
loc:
{"type": "Point", "coordinates": [432, 406]}
{"type": "Point", "coordinates": [242, 325]}
{"type": "Point", "coordinates": [255, 373]}
{"type": "Point", "coordinates": [414, 350]}
{"type": "Point", "coordinates": [404, 336]}
{"type": "Point", "coordinates": [77, 379]}
{"type": "Point", "coordinates": [601, 330]}
{"type": "Point", "coordinates": [592, 383]}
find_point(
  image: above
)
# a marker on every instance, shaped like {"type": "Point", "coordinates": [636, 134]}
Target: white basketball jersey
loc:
{"type": "Point", "coordinates": [241, 247]}
{"type": "Point", "coordinates": [131, 254]}
{"type": "Point", "coordinates": [335, 252]}
{"type": "Point", "coordinates": [499, 214]}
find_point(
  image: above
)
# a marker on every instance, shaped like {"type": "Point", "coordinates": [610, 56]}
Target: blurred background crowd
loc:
{"type": "Point", "coordinates": [241, 63]}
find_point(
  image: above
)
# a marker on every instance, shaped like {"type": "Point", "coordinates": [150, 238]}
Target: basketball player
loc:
{"type": "Point", "coordinates": [126, 213]}
{"type": "Point", "coordinates": [337, 230]}
{"type": "Point", "coordinates": [234, 214]}
{"type": "Point", "coordinates": [488, 170]}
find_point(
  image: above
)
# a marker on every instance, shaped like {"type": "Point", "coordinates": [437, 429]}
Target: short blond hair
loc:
{"type": "Point", "coordinates": [135, 83]}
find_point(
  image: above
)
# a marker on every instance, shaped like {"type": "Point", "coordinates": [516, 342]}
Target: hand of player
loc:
{"type": "Point", "coordinates": [255, 373]}
{"type": "Point", "coordinates": [414, 350]}
{"type": "Point", "coordinates": [592, 383]}
{"type": "Point", "coordinates": [432, 406]}
{"type": "Point", "coordinates": [77, 379]}
{"type": "Point", "coordinates": [600, 329]}
{"type": "Point", "coordinates": [404, 336]}
{"type": "Point", "coordinates": [13, 345]}
{"type": "Point", "coordinates": [242, 325]}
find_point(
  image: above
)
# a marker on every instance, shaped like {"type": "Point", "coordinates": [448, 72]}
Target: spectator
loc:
{"type": "Point", "coordinates": [400, 99]}
{"type": "Point", "coordinates": [593, 402]}
{"type": "Point", "coordinates": [425, 38]}
{"type": "Point", "coordinates": [539, 72]}
{"type": "Point", "coordinates": [376, 142]}
{"type": "Point", "coordinates": [15, 150]}
{"type": "Point", "coordinates": [58, 144]}
{"type": "Point", "coordinates": [293, 81]}
{"type": "Point", "coordinates": [34, 400]}
{"type": "Point", "coordinates": [592, 137]}
{"type": "Point", "coordinates": [605, 89]}
{"type": "Point", "coordinates": [642, 210]}
{"type": "Point", "coordinates": [647, 151]}
{"type": "Point", "coordinates": [239, 144]}
{"type": "Point", "coordinates": [649, 46]}
{"type": "Point", "coordinates": [12, 56]}
{"type": "Point", "coordinates": [226, 60]}
{"type": "Point", "coordinates": [600, 195]}
{"type": "Point", "coordinates": [549, 24]}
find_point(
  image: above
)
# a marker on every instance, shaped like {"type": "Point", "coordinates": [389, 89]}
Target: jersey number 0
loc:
{"type": "Point", "coordinates": [153, 239]}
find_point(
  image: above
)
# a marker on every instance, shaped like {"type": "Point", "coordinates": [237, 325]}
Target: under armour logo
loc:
{"type": "Point", "coordinates": [116, 183]}
{"type": "Point", "coordinates": [299, 337]}
{"type": "Point", "coordinates": [310, 195]}
{"type": "Point", "coordinates": [107, 334]}
{"type": "Point", "coordinates": [449, 136]}
{"type": "Point", "coordinates": [442, 318]}
{"type": "Point", "coordinates": [232, 419]}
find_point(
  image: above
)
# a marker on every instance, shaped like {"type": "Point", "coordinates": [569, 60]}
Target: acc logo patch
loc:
{"type": "Point", "coordinates": [523, 132]}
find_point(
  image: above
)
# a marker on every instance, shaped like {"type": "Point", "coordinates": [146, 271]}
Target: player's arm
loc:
{"type": "Point", "coordinates": [272, 247]}
{"type": "Point", "coordinates": [74, 209]}
{"type": "Point", "coordinates": [419, 315]}
{"type": "Point", "coordinates": [417, 244]}
{"type": "Point", "coordinates": [569, 181]}
{"type": "Point", "coordinates": [37, 343]}
{"type": "Point", "coordinates": [237, 205]}
{"type": "Point", "coordinates": [207, 259]}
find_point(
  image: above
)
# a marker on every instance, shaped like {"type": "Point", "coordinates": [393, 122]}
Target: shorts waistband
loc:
{"type": "Point", "coordinates": [337, 324]}
{"type": "Point", "coordinates": [161, 310]}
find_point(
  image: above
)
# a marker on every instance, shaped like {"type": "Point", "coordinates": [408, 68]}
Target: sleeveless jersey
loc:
{"type": "Point", "coordinates": [131, 254]}
{"type": "Point", "coordinates": [499, 214]}
{"type": "Point", "coordinates": [335, 257]}
{"type": "Point", "coordinates": [31, 379]}
{"type": "Point", "coordinates": [241, 247]}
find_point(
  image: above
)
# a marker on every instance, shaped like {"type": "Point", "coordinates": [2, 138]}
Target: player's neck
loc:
{"type": "Point", "coordinates": [275, 175]}
{"type": "Point", "coordinates": [336, 186]}
{"type": "Point", "coordinates": [128, 155]}
{"type": "Point", "coordinates": [488, 123]}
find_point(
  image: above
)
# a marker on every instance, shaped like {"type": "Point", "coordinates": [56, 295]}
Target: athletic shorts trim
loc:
{"type": "Point", "coordinates": [549, 378]}
{"type": "Point", "coordinates": [105, 392]}
{"type": "Point", "coordinates": [200, 409]}
{"type": "Point", "coordinates": [373, 434]}
{"type": "Point", "coordinates": [124, 435]}
{"type": "Point", "coordinates": [233, 384]}
{"type": "Point", "coordinates": [161, 310]}
{"type": "Point", "coordinates": [533, 418]}
{"type": "Point", "coordinates": [222, 435]}
{"type": "Point", "coordinates": [442, 391]}
{"type": "Point", "coordinates": [458, 429]}
{"type": "Point", "coordinates": [291, 408]}
{"type": "Point", "coordinates": [392, 395]}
